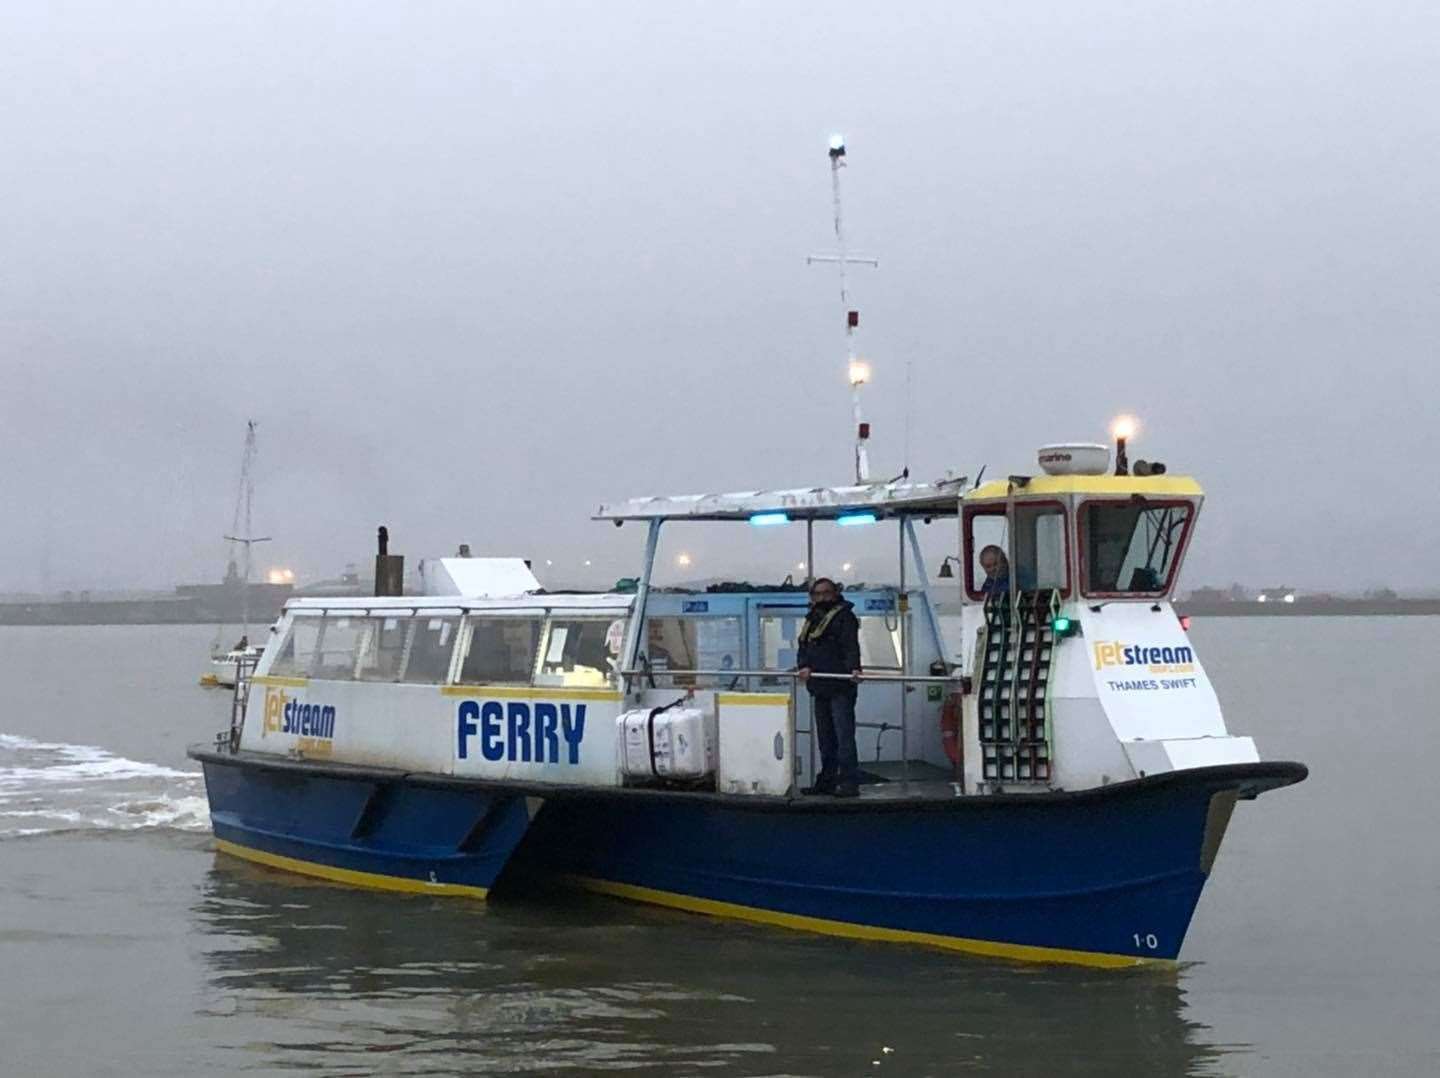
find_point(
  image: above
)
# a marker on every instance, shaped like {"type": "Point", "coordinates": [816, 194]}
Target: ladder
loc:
{"type": "Point", "coordinates": [1014, 699]}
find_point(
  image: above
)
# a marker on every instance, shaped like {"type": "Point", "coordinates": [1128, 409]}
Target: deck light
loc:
{"type": "Point", "coordinates": [1062, 626]}
{"type": "Point", "coordinates": [762, 520]}
{"type": "Point", "coordinates": [848, 520]}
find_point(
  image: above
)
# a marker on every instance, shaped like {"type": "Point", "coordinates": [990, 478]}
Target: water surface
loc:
{"type": "Point", "coordinates": [129, 947]}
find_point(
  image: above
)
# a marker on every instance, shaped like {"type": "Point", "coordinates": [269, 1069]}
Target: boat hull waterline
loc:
{"type": "Point", "coordinates": [1108, 877]}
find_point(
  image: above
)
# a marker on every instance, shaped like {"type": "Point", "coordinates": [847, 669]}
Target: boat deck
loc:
{"type": "Point", "coordinates": [923, 792]}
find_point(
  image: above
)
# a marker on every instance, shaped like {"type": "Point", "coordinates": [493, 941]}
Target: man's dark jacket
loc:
{"type": "Point", "coordinates": [830, 647]}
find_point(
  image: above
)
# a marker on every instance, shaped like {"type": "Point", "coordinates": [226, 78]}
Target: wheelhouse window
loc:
{"type": "Point", "coordinates": [987, 540]}
{"type": "Point", "coordinates": [430, 650]}
{"type": "Point", "coordinates": [384, 648]}
{"type": "Point", "coordinates": [297, 653]}
{"type": "Point", "coordinates": [1041, 549]}
{"type": "Point", "coordinates": [579, 651]}
{"type": "Point", "coordinates": [1132, 547]}
{"type": "Point", "coordinates": [500, 650]}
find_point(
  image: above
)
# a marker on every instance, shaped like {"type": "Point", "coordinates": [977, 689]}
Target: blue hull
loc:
{"type": "Point", "coordinates": [364, 828]}
{"type": "Point", "coordinates": [1109, 879]}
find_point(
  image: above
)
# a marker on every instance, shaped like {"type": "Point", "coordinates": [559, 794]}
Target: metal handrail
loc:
{"type": "Point", "coordinates": [670, 671]}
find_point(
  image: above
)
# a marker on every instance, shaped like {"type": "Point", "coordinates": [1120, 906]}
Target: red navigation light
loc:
{"type": "Point", "coordinates": [854, 319]}
{"type": "Point", "coordinates": [1185, 622]}
{"type": "Point", "coordinates": [864, 431]}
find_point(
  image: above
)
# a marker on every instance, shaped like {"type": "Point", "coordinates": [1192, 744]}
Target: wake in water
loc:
{"type": "Point", "coordinates": [47, 786]}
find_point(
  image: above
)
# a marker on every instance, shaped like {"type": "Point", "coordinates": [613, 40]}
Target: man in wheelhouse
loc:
{"type": "Point", "coordinates": [830, 644]}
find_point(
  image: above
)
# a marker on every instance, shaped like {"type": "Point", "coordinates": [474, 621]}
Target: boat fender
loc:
{"type": "Point", "coordinates": [950, 728]}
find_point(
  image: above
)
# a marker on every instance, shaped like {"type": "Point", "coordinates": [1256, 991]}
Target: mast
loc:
{"type": "Point", "coordinates": [245, 501]}
{"type": "Point", "coordinates": [857, 369]}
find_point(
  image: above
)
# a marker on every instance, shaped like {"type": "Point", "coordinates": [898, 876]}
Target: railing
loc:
{"type": "Point", "coordinates": [793, 676]}
{"type": "Point", "coordinates": [229, 740]}
{"type": "Point", "coordinates": [670, 671]}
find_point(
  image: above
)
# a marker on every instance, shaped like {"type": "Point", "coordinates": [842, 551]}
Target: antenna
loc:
{"type": "Point", "coordinates": [859, 370]}
{"type": "Point", "coordinates": [246, 499]}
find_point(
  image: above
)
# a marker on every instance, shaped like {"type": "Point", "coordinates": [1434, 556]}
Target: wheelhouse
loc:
{"type": "Point", "coordinates": [1082, 537]}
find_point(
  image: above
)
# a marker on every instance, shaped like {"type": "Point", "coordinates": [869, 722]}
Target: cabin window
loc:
{"type": "Point", "coordinates": [683, 644]}
{"type": "Point", "coordinates": [297, 653]}
{"type": "Point", "coordinates": [339, 639]}
{"type": "Point", "coordinates": [430, 650]}
{"type": "Point", "coordinates": [500, 651]}
{"type": "Point", "coordinates": [780, 647]}
{"type": "Point", "coordinates": [1132, 547]}
{"type": "Point", "coordinates": [579, 651]}
{"type": "Point", "coordinates": [384, 648]}
{"type": "Point", "coordinates": [987, 539]}
{"type": "Point", "coordinates": [879, 644]}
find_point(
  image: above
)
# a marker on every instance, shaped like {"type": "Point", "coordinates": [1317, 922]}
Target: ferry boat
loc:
{"type": "Point", "coordinates": [1053, 786]}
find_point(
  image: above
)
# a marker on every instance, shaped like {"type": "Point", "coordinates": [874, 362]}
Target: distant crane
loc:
{"type": "Point", "coordinates": [244, 503]}
{"type": "Point", "coordinates": [858, 369]}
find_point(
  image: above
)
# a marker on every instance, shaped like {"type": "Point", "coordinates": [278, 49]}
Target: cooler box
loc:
{"type": "Point", "coordinates": [676, 744]}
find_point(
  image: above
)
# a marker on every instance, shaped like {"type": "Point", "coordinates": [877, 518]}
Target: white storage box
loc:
{"type": "Point", "coordinates": [679, 743]}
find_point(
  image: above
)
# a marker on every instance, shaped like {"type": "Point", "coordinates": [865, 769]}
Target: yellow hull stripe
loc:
{"type": "Point", "coordinates": [753, 699]}
{"type": "Point", "coordinates": [280, 682]}
{"type": "Point", "coordinates": [527, 692]}
{"type": "Point", "coordinates": [347, 875]}
{"type": "Point", "coordinates": [990, 948]}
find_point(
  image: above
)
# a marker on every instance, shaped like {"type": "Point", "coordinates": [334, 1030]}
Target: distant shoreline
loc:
{"type": "Point", "coordinates": [1301, 608]}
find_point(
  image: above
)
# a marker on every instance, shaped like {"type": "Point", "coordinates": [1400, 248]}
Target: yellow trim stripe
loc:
{"type": "Point", "coordinates": [526, 692]}
{"type": "Point", "coordinates": [282, 682]}
{"type": "Point", "coordinates": [989, 948]}
{"type": "Point", "coordinates": [347, 875]}
{"type": "Point", "coordinates": [753, 699]}
{"type": "Point", "coordinates": [1177, 485]}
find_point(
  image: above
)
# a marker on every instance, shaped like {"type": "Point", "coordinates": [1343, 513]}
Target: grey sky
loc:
{"type": "Point", "coordinates": [475, 268]}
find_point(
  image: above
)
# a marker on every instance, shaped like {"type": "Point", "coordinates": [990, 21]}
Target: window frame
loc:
{"type": "Point", "coordinates": [327, 617]}
{"type": "Point", "coordinates": [1181, 547]}
{"type": "Point", "coordinates": [375, 620]}
{"type": "Point", "coordinates": [967, 541]}
{"type": "Point", "coordinates": [296, 618]}
{"type": "Point", "coordinates": [461, 648]}
{"type": "Point", "coordinates": [551, 617]}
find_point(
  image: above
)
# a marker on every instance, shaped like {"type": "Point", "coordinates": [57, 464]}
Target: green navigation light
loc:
{"type": "Point", "coordinates": [1063, 626]}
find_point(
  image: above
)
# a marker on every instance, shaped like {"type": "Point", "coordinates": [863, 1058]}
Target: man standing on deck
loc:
{"type": "Point", "coordinates": [830, 644]}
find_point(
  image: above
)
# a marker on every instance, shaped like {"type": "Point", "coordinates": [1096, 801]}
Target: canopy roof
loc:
{"type": "Point", "coordinates": [897, 499]}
